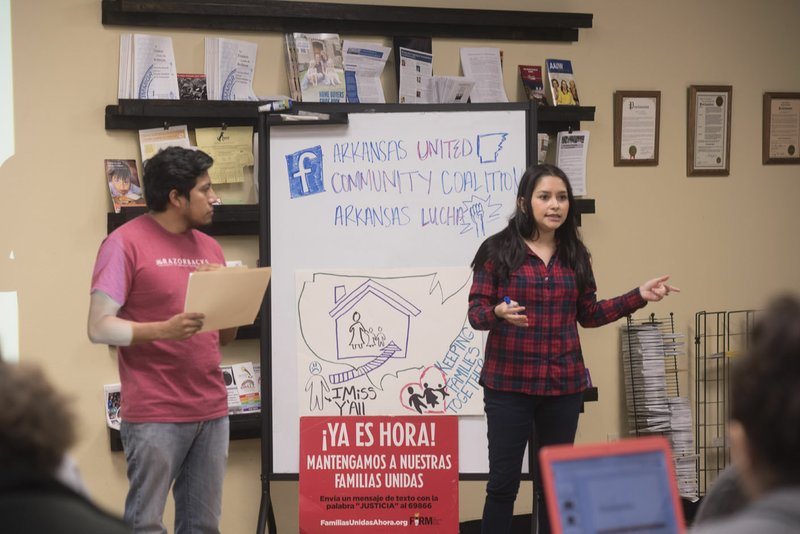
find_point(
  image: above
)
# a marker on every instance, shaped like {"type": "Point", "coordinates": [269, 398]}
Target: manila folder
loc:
{"type": "Point", "coordinates": [228, 297]}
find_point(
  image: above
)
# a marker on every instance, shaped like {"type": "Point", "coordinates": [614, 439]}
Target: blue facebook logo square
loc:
{"type": "Point", "coordinates": [305, 172]}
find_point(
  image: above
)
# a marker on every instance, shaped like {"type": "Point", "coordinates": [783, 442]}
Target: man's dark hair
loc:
{"type": "Point", "coordinates": [36, 424]}
{"type": "Point", "coordinates": [765, 392]}
{"type": "Point", "coordinates": [172, 168]}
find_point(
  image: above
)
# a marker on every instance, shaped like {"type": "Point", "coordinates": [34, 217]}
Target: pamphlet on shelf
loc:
{"type": "Point", "coordinates": [232, 150]}
{"type": "Point", "coordinates": [123, 183]}
{"type": "Point", "coordinates": [561, 83]}
{"type": "Point", "coordinates": [152, 140]}
{"type": "Point", "coordinates": [147, 67]}
{"type": "Point", "coordinates": [363, 65]}
{"type": "Point", "coordinates": [483, 65]}
{"type": "Point", "coordinates": [230, 68]}
{"type": "Point", "coordinates": [571, 151]}
{"type": "Point", "coordinates": [227, 297]}
{"type": "Point", "coordinates": [416, 70]}
{"type": "Point", "coordinates": [543, 144]}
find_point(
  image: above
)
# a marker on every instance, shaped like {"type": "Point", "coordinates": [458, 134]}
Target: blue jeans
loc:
{"type": "Point", "coordinates": [511, 418]}
{"type": "Point", "coordinates": [193, 456]}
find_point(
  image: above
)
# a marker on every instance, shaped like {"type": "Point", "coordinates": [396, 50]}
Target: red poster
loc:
{"type": "Point", "coordinates": [379, 474]}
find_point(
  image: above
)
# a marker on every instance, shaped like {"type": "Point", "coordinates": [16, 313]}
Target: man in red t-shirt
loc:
{"type": "Point", "coordinates": [174, 408]}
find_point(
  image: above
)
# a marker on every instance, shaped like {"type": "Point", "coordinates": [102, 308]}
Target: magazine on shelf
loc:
{"type": "Point", "coordinates": [561, 83]}
{"type": "Point", "coordinates": [113, 402]}
{"type": "Point", "coordinates": [315, 67]}
{"type": "Point", "coordinates": [243, 382]}
{"type": "Point", "coordinates": [147, 67]}
{"type": "Point", "coordinates": [192, 86]}
{"type": "Point", "coordinates": [123, 183]}
{"type": "Point", "coordinates": [533, 83]}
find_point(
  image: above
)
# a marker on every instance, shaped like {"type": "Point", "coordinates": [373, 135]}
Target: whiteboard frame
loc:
{"type": "Point", "coordinates": [264, 127]}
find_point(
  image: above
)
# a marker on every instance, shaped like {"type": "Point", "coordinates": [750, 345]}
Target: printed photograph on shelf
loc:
{"type": "Point", "coordinates": [561, 84]}
{"type": "Point", "coordinates": [708, 136]}
{"type": "Point", "coordinates": [781, 131]}
{"type": "Point", "coordinates": [192, 86]}
{"type": "Point", "coordinates": [637, 116]}
{"type": "Point", "coordinates": [319, 66]}
{"type": "Point", "coordinates": [123, 183]}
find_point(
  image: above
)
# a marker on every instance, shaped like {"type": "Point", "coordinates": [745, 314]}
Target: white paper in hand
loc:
{"type": "Point", "coordinates": [227, 297]}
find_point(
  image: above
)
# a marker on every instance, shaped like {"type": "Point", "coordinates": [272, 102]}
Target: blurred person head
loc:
{"type": "Point", "coordinates": [765, 401]}
{"type": "Point", "coordinates": [36, 424]}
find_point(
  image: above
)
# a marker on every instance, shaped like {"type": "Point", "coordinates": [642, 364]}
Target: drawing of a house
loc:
{"type": "Point", "coordinates": [372, 322]}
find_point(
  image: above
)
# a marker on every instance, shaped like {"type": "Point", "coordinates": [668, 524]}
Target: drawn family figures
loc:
{"type": "Point", "coordinates": [361, 336]}
{"type": "Point", "coordinates": [428, 399]}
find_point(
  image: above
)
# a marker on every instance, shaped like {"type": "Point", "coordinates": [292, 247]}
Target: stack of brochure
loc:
{"type": "Point", "coordinates": [451, 89]}
{"type": "Point", "coordinates": [230, 66]}
{"type": "Point", "coordinates": [649, 353]}
{"type": "Point", "coordinates": [315, 67]}
{"type": "Point", "coordinates": [147, 67]}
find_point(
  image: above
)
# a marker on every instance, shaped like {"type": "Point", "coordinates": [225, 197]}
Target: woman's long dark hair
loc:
{"type": "Point", "coordinates": [507, 249]}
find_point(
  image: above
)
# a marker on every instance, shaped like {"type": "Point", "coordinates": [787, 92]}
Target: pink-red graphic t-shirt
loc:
{"type": "Point", "coordinates": [145, 268]}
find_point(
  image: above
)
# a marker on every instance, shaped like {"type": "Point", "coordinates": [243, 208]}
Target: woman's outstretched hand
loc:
{"type": "Point", "coordinates": [656, 289]}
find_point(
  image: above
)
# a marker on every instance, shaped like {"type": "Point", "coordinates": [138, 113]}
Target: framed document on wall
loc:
{"type": "Point", "coordinates": [781, 128]}
{"type": "Point", "coordinates": [708, 136]}
{"type": "Point", "coordinates": [637, 116]}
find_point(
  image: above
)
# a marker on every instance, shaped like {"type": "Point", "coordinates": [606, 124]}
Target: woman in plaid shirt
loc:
{"type": "Point", "coordinates": [532, 285]}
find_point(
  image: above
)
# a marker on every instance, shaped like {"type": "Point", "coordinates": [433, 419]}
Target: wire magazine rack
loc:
{"type": "Point", "coordinates": [650, 359]}
{"type": "Point", "coordinates": [719, 337]}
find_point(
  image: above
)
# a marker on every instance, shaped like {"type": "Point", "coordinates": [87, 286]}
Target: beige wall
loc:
{"type": "Point", "coordinates": [727, 242]}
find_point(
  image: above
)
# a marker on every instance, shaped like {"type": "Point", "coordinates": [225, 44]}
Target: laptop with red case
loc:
{"type": "Point", "coordinates": [625, 486]}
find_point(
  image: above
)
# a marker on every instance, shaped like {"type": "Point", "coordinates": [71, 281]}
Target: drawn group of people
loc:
{"type": "Point", "coordinates": [362, 336]}
{"type": "Point", "coordinates": [429, 399]}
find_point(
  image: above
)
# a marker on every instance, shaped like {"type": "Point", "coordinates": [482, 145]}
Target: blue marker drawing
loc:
{"type": "Point", "coordinates": [305, 172]}
{"type": "Point", "coordinates": [490, 145]}
{"type": "Point", "coordinates": [479, 211]}
{"type": "Point", "coordinates": [507, 300]}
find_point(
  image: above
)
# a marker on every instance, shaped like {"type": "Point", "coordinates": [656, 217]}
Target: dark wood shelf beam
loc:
{"type": "Point", "coordinates": [349, 19]}
{"type": "Point", "coordinates": [234, 219]}
{"type": "Point", "coordinates": [242, 426]}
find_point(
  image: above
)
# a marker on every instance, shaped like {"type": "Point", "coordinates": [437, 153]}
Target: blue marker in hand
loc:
{"type": "Point", "coordinates": [507, 300]}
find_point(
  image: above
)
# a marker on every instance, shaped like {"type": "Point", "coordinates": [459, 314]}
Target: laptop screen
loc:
{"type": "Point", "coordinates": [609, 493]}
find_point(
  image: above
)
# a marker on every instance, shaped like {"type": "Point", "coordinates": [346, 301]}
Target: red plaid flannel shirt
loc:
{"type": "Point", "coordinates": [545, 358]}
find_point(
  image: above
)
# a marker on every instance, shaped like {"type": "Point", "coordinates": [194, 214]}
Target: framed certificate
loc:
{"type": "Point", "coordinates": [781, 128]}
{"type": "Point", "coordinates": [637, 117]}
{"type": "Point", "coordinates": [708, 136]}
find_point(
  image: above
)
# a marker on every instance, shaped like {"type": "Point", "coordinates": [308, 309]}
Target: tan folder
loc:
{"type": "Point", "coordinates": [228, 297]}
